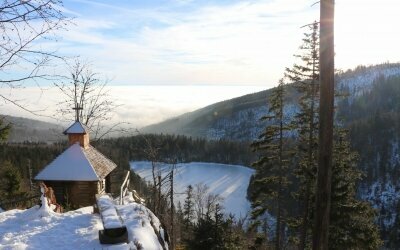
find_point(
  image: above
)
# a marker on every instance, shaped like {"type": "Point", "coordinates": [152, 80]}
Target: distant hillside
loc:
{"type": "Point", "coordinates": [238, 118]}
{"type": "Point", "coordinates": [29, 130]}
{"type": "Point", "coordinates": [373, 118]}
{"type": "Point", "coordinates": [200, 123]}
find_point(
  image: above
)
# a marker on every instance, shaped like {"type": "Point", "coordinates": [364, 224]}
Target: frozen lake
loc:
{"type": "Point", "coordinates": [229, 181]}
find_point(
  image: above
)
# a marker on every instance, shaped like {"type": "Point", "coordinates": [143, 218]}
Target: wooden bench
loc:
{"type": "Point", "coordinates": [114, 231]}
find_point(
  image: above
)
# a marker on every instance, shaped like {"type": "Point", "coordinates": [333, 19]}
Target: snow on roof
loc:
{"type": "Point", "coordinates": [71, 165]}
{"type": "Point", "coordinates": [76, 128]}
{"type": "Point", "coordinates": [78, 164]}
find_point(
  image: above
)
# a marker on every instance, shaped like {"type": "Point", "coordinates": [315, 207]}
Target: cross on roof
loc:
{"type": "Point", "coordinates": [77, 108]}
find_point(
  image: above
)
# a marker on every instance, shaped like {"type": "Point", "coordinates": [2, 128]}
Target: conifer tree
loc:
{"type": "Point", "coordinates": [188, 216]}
{"type": "Point", "coordinates": [305, 77]}
{"type": "Point", "coordinates": [213, 231]}
{"type": "Point", "coordinates": [219, 227]}
{"type": "Point", "coordinates": [10, 179]}
{"type": "Point", "coordinates": [270, 183]}
{"type": "Point", "coordinates": [188, 210]}
{"type": "Point", "coordinates": [394, 236]}
{"type": "Point", "coordinates": [352, 221]}
{"type": "Point", "coordinates": [207, 232]}
{"type": "Point", "coordinates": [234, 237]}
{"type": "Point", "coordinates": [203, 235]}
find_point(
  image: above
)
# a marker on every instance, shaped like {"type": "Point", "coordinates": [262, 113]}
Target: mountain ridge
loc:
{"type": "Point", "coordinates": [220, 120]}
{"type": "Point", "coordinates": [31, 130]}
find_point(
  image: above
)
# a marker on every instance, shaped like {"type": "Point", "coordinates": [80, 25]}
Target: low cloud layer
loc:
{"type": "Point", "coordinates": [140, 105]}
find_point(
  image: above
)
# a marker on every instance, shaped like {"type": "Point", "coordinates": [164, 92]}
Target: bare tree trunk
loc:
{"type": "Point", "coordinates": [323, 191]}
{"type": "Point", "coordinates": [304, 224]}
{"type": "Point", "coordinates": [279, 214]}
{"type": "Point", "coordinates": [172, 234]}
{"type": "Point", "coordinates": [30, 175]}
{"type": "Point", "coordinates": [159, 196]}
{"type": "Point", "coordinates": [278, 227]}
{"type": "Point", "coordinates": [153, 166]}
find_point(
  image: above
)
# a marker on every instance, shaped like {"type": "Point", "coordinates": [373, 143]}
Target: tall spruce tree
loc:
{"type": "Point", "coordinates": [269, 186]}
{"type": "Point", "coordinates": [352, 221]}
{"type": "Point", "coordinates": [188, 207]}
{"type": "Point", "coordinates": [305, 77]}
{"type": "Point", "coordinates": [214, 231]}
{"type": "Point", "coordinates": [188, 216]}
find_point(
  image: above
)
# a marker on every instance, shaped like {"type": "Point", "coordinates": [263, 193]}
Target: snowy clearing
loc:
{"type": "Point", "coordinates": [24, 229]}
{"type": "Point", "coordinates": [229, 181]}
{"type": "Point", "coordinates": [29, 229]}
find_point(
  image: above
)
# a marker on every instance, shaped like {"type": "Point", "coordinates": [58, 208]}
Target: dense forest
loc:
{"type": "Point", "coordinates": [35, 156]}
{"type": "Point", "coordinates": [373, 119]}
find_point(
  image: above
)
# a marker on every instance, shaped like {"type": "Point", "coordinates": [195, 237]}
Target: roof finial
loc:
{"type": "Point", "coordinates": [77, 108]}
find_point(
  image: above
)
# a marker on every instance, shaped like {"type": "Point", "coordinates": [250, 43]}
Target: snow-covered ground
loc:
{"type": "Point", "coordinates": [229, 181]}
{"type": "Point", "coordinates": [24, 229]}
{"type": "Point", "coordinates": [32, 229]}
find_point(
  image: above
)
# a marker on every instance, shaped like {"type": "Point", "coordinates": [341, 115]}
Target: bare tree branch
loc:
{"type": "Point", "coordinates": [22, 25]}
{"type": "Point", "coordinates": [85, 89]}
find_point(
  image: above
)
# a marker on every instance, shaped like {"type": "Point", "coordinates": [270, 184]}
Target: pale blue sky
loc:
{"type": "Point", "coordinates": [219, 41]}
{"type": "Point", "coordinates": [144, 44]}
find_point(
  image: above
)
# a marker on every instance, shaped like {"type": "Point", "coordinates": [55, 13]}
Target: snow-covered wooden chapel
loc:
{"type": "Point", "coordinates": [80, 172]}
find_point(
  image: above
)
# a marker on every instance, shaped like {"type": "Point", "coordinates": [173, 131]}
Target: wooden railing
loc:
{"type": "Point", "coordinates": [124, 188]}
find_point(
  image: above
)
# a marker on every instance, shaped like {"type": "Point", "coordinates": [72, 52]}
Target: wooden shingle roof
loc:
{"type": "Point", "coordinates": [101, 164]}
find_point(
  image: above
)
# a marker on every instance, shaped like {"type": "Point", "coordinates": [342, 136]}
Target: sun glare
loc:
{"type": "Point", "coordinates": [366, 32]}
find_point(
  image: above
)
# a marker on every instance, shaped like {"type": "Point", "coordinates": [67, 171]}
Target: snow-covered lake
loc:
{"type": "Point", "coordinates": [229, 181]}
